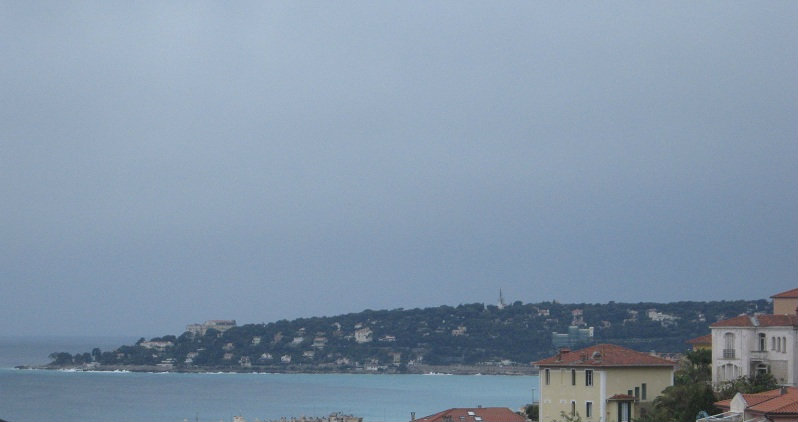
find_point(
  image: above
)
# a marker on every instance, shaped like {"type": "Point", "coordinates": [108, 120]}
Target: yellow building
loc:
{"type": "Point", "coordinates": [602, 383]}
{"type": "Point", "coordinates": [701, 343]}
{"type": "Point", "coordinates": [785, 303]}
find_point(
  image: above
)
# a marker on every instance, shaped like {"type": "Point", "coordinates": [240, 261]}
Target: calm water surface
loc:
{"type": "Point", "coordinates": [33, 395]}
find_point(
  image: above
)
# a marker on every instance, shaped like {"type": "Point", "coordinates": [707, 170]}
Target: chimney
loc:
{"type": "Point", "coordinates": [412, 416]}
{"type": "Point", "coordinates": [564, 351]}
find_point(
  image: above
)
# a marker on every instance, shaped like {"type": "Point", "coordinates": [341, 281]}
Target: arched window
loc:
{"type": "Point", "coordinates": [773, 343]}
{"type": "Point", "coordinates": [784, 344]}
{"type": "Point", "coordinates": [728, 346]}
{"type": "Point", "coordinates": [778, 344]}
{"type": "Point", "coordinates": [762, 342]}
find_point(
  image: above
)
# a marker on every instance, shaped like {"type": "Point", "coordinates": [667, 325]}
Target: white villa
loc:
{"type": "Point", "coordinates": [751, 344]}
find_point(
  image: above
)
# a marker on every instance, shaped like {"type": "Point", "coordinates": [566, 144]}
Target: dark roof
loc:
{"type": "Point", "coordinates": [789, 294]}
{"type": "Point", "coordinates": [622, 397]}
{"type": "Point", "coordinates": [759, 321]}
{"type": "Point", "coordinates": [605, 355]}
{"type": "Point", "coordinates": [484, 414]}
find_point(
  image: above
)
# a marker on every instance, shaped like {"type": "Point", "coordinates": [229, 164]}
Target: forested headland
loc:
{"type": "Point", "coordinates": [405, 340]}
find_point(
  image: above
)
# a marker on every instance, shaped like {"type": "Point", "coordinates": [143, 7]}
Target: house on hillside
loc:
{"type": "Point", "coordinates": [573, 337]}
{"type": "Point", "coordinates": [478, 414]}
{"type": "Point", "coordinates": [363, 335]}
{"type": "Point", "coordinates": [601, 383]}
{"type": "Point", "coordinates": [751, 344]}
{"type": "Point", "coordinates": [220, 325]}
{"type": "Point", "coordinates": [780, 405]}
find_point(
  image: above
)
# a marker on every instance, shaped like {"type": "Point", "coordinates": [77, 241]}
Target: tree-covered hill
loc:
{"type": "Point", "coordinates": [398, 339]}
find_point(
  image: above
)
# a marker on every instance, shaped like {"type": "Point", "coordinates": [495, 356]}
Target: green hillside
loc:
{"type": "Point", "coordinates": [394, 340]}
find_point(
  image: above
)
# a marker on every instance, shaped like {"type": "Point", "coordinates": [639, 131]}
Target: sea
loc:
{"type": "Point", "coordinates": [42, 396]}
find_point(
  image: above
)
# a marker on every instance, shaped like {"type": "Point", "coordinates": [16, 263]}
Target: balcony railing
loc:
{"type": "Point", "coordinates": [759, 354]}
{"type": "Point", "coordinates": [728, 353]}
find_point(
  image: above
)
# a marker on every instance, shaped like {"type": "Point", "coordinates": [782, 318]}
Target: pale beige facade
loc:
{"type": "Point", "coordinates": [785, 305]}
{"type": "Point", "coordinates": [600, 394]}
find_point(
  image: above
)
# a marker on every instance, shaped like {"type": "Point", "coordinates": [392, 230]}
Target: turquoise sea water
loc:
{"type": "Point", "coordinates": [34, 395]}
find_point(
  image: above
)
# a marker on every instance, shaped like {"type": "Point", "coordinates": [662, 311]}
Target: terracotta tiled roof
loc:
{"type": "Point", "coordinates": [621, 397]}
{"type": "Point", "coordinates": [773, 402]}
{"type": "Point", "coordinates": [723, 404]}
{"type": "Point", "coordinates": [485, 414]}
{"type": "Point", "coordinates": [789, 294]}
{"type": "Point", "coordinates": [604, 355]}
{"type": "Point", "coordinates": [754, 399]}
{"type": "Point", "coordinates": [759, 321]}
{"type": "Point", "coordinates": [707, 339]}
{"type": "Point", "coordinates": [786, 403]}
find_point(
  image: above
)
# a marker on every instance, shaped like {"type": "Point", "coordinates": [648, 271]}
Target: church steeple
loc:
{"type": "Point", "coordinates": [501, 300]}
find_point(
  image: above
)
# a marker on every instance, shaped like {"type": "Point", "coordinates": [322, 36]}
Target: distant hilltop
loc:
{"type": "Point", "coordinates": [468, 338]}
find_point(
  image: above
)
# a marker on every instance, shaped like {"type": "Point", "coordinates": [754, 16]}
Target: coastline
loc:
{"type": "Point", "coordinates": [509, 370]}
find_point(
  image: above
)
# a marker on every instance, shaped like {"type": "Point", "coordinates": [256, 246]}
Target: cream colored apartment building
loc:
{"type": "Point", "coordinates": [602, 383]}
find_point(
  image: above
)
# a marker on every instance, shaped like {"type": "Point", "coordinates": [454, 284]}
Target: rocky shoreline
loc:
{"type": "Point", "coordinates": [303, 369]}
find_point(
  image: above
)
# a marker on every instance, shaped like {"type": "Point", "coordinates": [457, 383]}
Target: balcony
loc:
{"type": "Point", "coordinates": [759, 355]}
{"type": "Point", "coordinates": [728, 354]}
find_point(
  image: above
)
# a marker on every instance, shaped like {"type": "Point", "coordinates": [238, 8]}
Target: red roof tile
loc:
{"type": "Point", "coordinates": [759, 321]}
{"type": "Point", "coordinates": [707, 339]}
{"type": "Point", "coordinates": [486, 414]}
{"type": "Point", "coordinates": [773, 402]}
{"type": "Point", "coordinates": [782, 404]}
{"type": "Point", "coordinates": [604, 355]}
{"type": "Point", "coordinates": [723, 404]}
{"type": "Point", "coordinates": [789, 294]}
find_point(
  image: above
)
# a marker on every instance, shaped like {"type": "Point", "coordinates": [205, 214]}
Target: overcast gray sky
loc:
{"type": "Point", "coordinates": [168, 163]}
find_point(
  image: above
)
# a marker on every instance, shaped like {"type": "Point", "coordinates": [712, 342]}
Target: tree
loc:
{"type": "Point", "coordinates": [690, 393]}
{"type": "Point", "coordinates": [748, 385]}
{"type": "Point", "coordinates": [61, 358]}
{"type": "Point", "coordinates": [532, 412]}
{"type": "Point", "coordinates": [683, 402]}
{"type": "Point", "coordinates": [570, 418]}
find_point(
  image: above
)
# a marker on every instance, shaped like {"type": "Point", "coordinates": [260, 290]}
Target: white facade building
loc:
{"type": "Point", "coordinates": [363, 335]}
{"type": "Point", "coordinates": [747, 345]}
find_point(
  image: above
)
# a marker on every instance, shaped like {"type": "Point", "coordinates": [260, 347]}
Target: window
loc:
{"type": "Point", "coordinates": [573, 376]}
{"type": "Point", "coordinates": [778, 344]}
{"type": "Point", "coordinates": [573, 408]}
{"type": "Point", "coordinates": [729, 372]}
{"type": "Point", "coordinates": [784, 344]}
{"type": "Point", "coordinates": [547, 376]}
{"type": "Point", "coordinates": [588, 409]}
{"type": "Point", "coordinates": [728, 346]}
{"type": "Point", "coordinates": [773, 343]}
{"type": "Point", "coordinates": [624, 411]}
{"type": "Point", "coordinates": [637, 393]}
{"type": "Point", "coordinates": [762, 342]}
{"type": "Point", "coordinates": [643, 391]}
{"type": "Point", "coordinates": [588, 377]}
